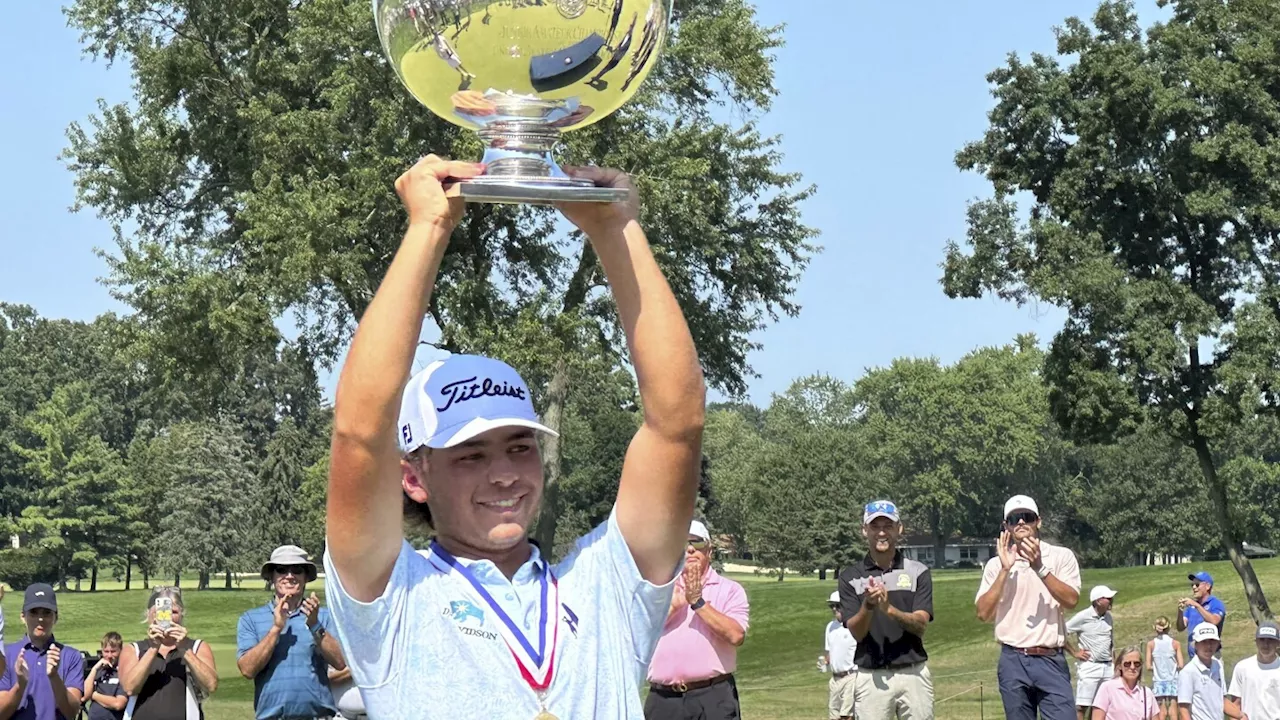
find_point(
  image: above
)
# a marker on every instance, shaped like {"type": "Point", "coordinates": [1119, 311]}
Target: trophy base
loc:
{"type": "Point", "coordinates": [532, 191]}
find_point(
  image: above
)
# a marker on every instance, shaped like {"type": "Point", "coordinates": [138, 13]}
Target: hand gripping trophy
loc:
{"type": "Point", "coordinates": [520, 72]}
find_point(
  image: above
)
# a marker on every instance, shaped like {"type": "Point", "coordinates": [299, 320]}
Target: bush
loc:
{"type": "Point", "coordinates": [21, 567]}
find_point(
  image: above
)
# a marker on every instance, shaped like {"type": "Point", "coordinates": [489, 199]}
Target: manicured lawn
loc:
{"type": "Point", "coordinates": [777, 675]}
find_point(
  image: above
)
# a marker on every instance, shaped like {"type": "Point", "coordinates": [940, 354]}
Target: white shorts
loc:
{"type": "Point", "coordinates": [841, 700]}
{"type": "Point", "coordinates": [1090, 675]}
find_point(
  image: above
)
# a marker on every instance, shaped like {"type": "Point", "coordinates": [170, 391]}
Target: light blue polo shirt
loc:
{"type": "Point", "coordinates": [428, 648]}
{"type": "Point", "coordinates": [295, 681]}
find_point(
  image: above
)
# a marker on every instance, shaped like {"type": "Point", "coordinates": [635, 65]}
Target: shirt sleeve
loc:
{"type": "Point", "coordinates": [8, 678]}
{"type": "Point", "coordinates": [246, 635]}
{"type": "Point", "coordinates": [362, 627]}
{"type": "Point", "coordinates": [736, 605]}
{"type": "Point", "coordinates": [1102, 700]}
{"type": "Point", "coordinates": [1074, 625]}
{"type": "Point", "coordinates": [1067, 569]}
{"type": "Point", "coordinates": [604, 555]}
{"type": "Point", "coordinates": [71, 668]}
{"type": "Point", "coordinates": [826, 637]}
{"type": "Point", "coordinates": [1218, 607]}
{"type": "Point", "coordinates": [989, 573]}
{"type": "Point", "coordinates": [850, 600]}
{"type": "Point", "coordinates": [924, 594]}
{"type": "Point", "coordinates": [1186, 684]}
{"type": "Point", "coordinates": [1235, 689]}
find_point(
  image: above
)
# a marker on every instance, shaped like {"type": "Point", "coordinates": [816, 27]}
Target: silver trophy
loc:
{"type": "Point", "coordinates": [519, 73]}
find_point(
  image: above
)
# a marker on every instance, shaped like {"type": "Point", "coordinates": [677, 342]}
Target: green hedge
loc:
{"type": "Point", "coordinates": [21, 567]}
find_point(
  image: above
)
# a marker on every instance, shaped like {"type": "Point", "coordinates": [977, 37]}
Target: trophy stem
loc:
{"type": "Point", "coordinates": [520, 168]}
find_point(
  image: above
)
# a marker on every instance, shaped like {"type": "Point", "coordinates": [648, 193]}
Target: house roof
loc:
{"type": "Point", "coordinates": [922, 540]}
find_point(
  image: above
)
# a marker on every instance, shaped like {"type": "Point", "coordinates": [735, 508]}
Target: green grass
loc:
{"type": "Point", "coordinates": [778, 679]}
{"type": "Point", "coordinates": [776, 672]}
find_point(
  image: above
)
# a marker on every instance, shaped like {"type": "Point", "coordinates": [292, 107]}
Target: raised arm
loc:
{"type": "Point", "coordinates": [660, 471]}
{"type": "Point", "coordinates": [365, 503]}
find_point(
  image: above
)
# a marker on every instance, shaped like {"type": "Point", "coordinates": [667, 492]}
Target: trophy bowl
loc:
{"type": "Point", "coordinates": [519, 73]}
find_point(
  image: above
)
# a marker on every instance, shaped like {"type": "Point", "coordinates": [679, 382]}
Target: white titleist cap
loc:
{"type": "Point", "coordinates": [453, 400]}
{"type": "Point", "coordinates": [1020, 502]}
{"type": "Point", "coordinates": [697, 529]}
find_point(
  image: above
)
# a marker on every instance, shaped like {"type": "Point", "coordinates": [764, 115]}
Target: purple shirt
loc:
{"type": "Point", "coordinates": [38, 703]}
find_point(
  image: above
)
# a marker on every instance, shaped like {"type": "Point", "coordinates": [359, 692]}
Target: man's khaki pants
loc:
{"type": "Point", "coordinates": [903, 693]}
{"type": "Point", "coordinates": [841, 703]}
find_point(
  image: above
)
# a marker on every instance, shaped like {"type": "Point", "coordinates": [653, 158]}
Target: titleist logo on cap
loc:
{"type": "Point", "coordinates": [460, 391]}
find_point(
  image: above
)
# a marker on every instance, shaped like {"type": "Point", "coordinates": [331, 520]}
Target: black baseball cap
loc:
{"type": "Point", "coordinates": [40, 596]}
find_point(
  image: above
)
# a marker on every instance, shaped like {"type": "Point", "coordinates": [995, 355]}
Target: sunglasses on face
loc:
{"type": "Point", "coordinates": [295, 570]}
{"type": "Point", "coordinates": [1025, 516]}
{"type": "Point", "coordinates": [699, 545]}
{"type": "Point", "coordinates": [1131, 665]}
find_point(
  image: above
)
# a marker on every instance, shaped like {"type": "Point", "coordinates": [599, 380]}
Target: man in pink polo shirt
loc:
{"type": "Point", "coordinates": [691, 675]}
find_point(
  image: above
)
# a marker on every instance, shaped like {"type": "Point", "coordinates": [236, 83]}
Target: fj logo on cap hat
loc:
{"type": "Point", "coordinates": [460, 391]}
{"type": "Point", "coordinates": [407, 433]}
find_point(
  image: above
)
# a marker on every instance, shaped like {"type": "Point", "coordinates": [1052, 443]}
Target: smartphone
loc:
{"type": "Point", "coordinates": [164, 612]}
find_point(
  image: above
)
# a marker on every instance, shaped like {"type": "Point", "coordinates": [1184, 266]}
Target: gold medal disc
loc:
{"type": "Point", "coordinates": [544, 715]}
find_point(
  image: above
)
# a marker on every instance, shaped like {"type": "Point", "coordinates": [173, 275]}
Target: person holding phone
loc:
{"type": "Point", "coordinates": [169, 674]}
{"type": "Point", "coordinates": [443, 634]}
{"type": "Point", "coordinates": [1026, 590]}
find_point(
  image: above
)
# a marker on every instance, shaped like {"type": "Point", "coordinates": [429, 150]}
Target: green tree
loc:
{"type": "Point", "coordinates": [207, 506]}
{"type": "Point", "coordinates": [1146, 158]}
{"type": "Point", "coordinates": [256, 163]}
{"type": "Point", "coordinates": [953, 441]}
{"type": "Point", "coordinates": [75, 478]}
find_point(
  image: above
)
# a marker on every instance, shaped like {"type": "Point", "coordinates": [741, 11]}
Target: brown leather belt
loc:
{"type": "Point", "coordinates": [838, 675]}
{"type": "Point", "coordinates": [1039, 651]}
{"type": "Point", "coordinates": [681, 688]}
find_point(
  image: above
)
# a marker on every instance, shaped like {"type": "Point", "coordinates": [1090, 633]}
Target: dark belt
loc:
{"type": "Point", "coordinates": [1038, 651]}
{"type": "Point", "coordinates": [681, 688]}
{"type": "Point", "coordinates": [838, 675]}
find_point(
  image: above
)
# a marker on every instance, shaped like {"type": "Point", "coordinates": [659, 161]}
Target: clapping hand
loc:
{"type": "Point", "coordinates": [311, 608]}
{"type": "Point", "coordinates": [1005, 551]}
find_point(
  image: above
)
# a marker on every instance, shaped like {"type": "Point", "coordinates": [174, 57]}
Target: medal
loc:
{"type": "Point", "coordinates": [536, 665]}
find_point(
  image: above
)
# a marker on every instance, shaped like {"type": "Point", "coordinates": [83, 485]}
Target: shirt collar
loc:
{"type": "Point", "coordinates": [486, 569]}
{"type": "Point", "coordinates": [1203, 668]}
{"type": "Point", "coordinates": [869, 562]}
{"type": "Point", "coordinates": [28, 645]}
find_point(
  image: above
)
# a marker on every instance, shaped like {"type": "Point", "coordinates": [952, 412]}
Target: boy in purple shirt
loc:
{"type": "Point", "coordinates": [42, 677]}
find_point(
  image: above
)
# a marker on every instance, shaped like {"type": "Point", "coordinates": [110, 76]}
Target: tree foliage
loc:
{"type": "Point", "coordinates": [1149, 162]}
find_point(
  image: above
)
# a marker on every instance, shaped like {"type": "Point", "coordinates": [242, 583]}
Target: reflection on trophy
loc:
{"type": "Point", "coordinates": [527, 71]}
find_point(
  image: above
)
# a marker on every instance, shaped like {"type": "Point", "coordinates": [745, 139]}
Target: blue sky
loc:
{"type": "Point", "coordinates": [879, 145]}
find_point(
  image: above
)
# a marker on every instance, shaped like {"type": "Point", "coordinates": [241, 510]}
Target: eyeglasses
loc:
{"type": "Point", "coordinates": [1131, 665]}
{"type": "Point", "coordinates": [1025, 516]}
{"type": "Point", "coordinates": [295, 570]}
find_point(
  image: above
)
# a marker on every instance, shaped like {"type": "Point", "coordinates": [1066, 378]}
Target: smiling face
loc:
{"type": "Point", "coordinates": [483, 494]}
{"type": "Point", "coordinates": [1200, 590]}
{"type": "Point", "coordinates": [882, 534]}
{"type": "Point", "coordinates": [287, 580]}
{"type": "Point", "coordinates": [1131, 667]}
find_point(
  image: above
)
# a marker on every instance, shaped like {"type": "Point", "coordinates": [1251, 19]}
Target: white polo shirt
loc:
{"type": "Point", "coordinates": [1201, 688]}
{"type": "Point", "coordinates": [840, 647]}
{"type": "Point", "coordinates": [431, 648]}
{"type": "Point", "coordinates": [1258, 687]}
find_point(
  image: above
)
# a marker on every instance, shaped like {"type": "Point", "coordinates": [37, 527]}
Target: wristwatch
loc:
{"type": "Point", "coordinates": [318, 633]}
{"type": "Point", "coordinates": [698, 605]}
{"type": "Point", "coordinates": [1043, 572]}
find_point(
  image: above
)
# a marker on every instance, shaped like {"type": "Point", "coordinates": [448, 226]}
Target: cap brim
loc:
{"type": "Point", "coordinates": [479, 426]}
{"type": "Point", "coordinates": [312, 571]}
{"type": "Point", "coordinates": [40, 606]}
{"type": "Point", "coordinates": [868, 518]}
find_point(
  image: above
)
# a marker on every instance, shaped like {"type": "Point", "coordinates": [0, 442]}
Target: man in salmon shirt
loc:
{"type": "Point", "coordinates": [691, 675]}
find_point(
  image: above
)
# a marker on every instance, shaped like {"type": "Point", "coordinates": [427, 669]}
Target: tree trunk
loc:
{"type": "Point", "coordinates": [146, 578]}
{"type": "Point", "coordinates": [557, 393]}
{"type": "Point", "coordinates": [177, 579]}
{"type": "Point", "coordinates": [822, 573]}
{"type": "Point", "coordinates": [128, 571]}
{"type": "Point", "coordinates": [228, 585]}
{"type": "Point", "coordinates": [203, 584]}
{"type": "Point", "coordinates": [93, 579]}
{"type": "Point", "coordinates": [77, 584]}
{"type": "Point", "coordinates": [939, 540]}
{"type": "Point", "coordinates": [1230, 539]}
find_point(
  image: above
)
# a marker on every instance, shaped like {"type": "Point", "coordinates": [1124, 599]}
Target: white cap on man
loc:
{"type": "Point", "coordinates": [453, 400]}
{"type": "Point", "coordinates": [1099, 592]}
{"type": "Point", "coordinates": [1020, 502]}
{"type": "Point", "coordinates": [880, 508]}
{"type": "Point", "coordinates": [697, 529]}
{"type": "Point", "coordinates": [834, 599]}
{"type": "Point", "coordinates": [1204, 631]}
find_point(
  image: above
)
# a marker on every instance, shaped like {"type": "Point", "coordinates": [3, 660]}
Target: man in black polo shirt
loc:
{"type": "Point", "coordinates": [887, 602]}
